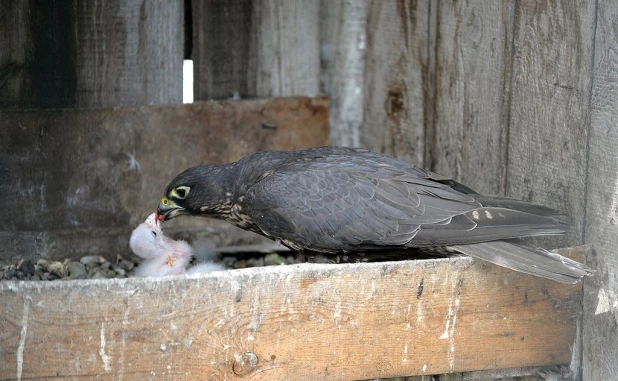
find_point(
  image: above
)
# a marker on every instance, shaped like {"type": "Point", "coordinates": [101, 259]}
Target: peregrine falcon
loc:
{"type": "Point", "coordinates": [336, 200]}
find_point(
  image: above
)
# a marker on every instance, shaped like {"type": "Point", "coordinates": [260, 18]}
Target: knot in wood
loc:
{"type": "Point", "coordinates": [244, 363]}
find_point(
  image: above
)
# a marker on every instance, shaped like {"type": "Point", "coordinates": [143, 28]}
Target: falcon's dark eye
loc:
{"type": "Point", "coordinates": [180, 192]}
{"type": "Point", "coordinates": [154, 234]}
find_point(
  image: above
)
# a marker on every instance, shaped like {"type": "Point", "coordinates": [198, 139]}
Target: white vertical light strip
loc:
{"type": "Point", "coordinates": [187, 81]}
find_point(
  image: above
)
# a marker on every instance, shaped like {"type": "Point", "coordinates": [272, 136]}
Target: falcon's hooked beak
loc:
{"type": "Point", "coordinates": [168, 209]}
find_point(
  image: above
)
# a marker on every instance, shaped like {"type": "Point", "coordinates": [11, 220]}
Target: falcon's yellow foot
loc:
{"type": "Point", "coordinates": [170, 261]}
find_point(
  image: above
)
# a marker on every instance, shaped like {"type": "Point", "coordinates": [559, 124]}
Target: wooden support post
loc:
{"type": "Point", "coordinates": [600, 328]}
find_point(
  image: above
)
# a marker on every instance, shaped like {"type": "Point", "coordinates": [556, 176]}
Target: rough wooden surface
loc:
{"type": "Point", "coordinates": [36, 54]}
{"type": "Point", "coordinates": [343, 41]}
{"type": "Point", "coordinates": [549, 108]}
{"type": "Point", "coordinates": [397, 77]}
{"type": "Point", "coordinates": [299, 322]}
{"type": "Point", "coordinates": [285, 54]}
{"type": "Point", "coordinates": [96, 174]}
{"type": "Point", "coordinates": [15, 38]}
{"type": "Point", "coordinates": [128, 52]}
{"type": "Point", "coordinates": [470, 131]}
{"type": "Point", "coordinates": [90, 54]}
{"type": "Point", "coordinates": [256, 48]}
{"type": "Point", "coordinates": [221, 42]}
{"type": "Point", "coordinates": [601, 230]}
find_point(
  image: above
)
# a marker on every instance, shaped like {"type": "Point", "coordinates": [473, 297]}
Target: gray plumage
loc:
{"type": "Point", "coordinates": [337, 200]}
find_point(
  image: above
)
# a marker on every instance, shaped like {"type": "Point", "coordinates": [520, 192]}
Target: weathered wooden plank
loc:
{"type": "Point", "coordinates": [285, 53]}
{"type": "Point", "coordinates": [256, 48]}
{"type": "Point", "coordinates": [36, 54]}
{"type": "Point", "coordinates": [397, 79]}
{"type": "Point", "coordinates": [343, 40]}
{"type": "Point", "coordinates": [601, 229]}
{"type": "Point", "coordinates": [299, 322]}
{"type": "Point", "coordinates": [128, 52]}
{"type": "Point", "coordinates": [472, 83]}
{"type": "Point", "coordinates": [549, 108]}
{"type": "Point", "coordinates": [102, 171]}
{"type": "Point", "coordinates": [15, 37]}
{"type": "Point", "coordinates": [221, 42]}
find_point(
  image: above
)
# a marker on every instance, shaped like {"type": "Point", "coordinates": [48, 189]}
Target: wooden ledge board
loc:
{"type": "Point", "coordinates": [297, 322]}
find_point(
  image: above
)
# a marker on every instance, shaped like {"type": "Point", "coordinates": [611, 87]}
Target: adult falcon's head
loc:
{"type": "Point", "coordinates": [201, 190]}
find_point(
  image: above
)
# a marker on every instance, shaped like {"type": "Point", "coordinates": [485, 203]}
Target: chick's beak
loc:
{"type": "Point", "coordinates": [168, 209]}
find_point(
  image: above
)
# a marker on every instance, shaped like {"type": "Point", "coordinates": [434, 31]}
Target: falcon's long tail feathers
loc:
{"type": "Point", "coordinates": [515, 204]}
{"type": "Point", "coordinates": [519, 256]}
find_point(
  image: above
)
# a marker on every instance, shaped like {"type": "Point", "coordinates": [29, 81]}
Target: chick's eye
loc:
{"type": "Point", "coordinates": [154, 234]}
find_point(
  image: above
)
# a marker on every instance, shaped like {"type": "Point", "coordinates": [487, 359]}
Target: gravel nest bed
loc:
{"type": "Point", "coordinates": [96, 267]}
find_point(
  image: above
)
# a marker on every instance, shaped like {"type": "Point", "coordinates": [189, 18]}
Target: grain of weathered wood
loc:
{"type": "Point", "coordinates": [343, 41]}
{"type": "Point", "coordinates": [128, 52]}
{"type": "Point", "coordinates": [284, 53]}
{"type": "Point", "coordinates": [15, 38]}
{"type": "Point", "coordinates": [221, 48]}
{"type": "Point", "coordinates": [601, 292]}
{"type": "Point", "coordinates": [549, 108]}
{"type": "Point", "coordinates": [470, 137]}
{"type": "Point", "coordinates": [102, 171]}
{"type": "Point", "coordinates": [397, 78]}
{"type": "Point", "coordinates": [256, 48]}
{"type": "Point", "coordinates": [300, 322]}
{"type": "Point", "coordinates": [36, 54]}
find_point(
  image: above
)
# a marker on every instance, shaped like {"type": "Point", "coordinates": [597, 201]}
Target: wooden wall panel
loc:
{"type": "Point", "coordinates": [398, 78]}
{"type": "Point", "coordinates": [472, 93]}
{"type": "Point", "coordinates": [343, 43]}
{"type": "Point", "coordinates": [256, 48]}
{"type": "Point", "coordinates": [128, 52]}
{"type": "Point", "coordinates": [221, 48]}
{"type": "Point", "coordinates": [548, 124]}
{"type": "Point", "coordinates": [601, 229]}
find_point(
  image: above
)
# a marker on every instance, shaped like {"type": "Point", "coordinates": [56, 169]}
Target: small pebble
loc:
{"type": "Point", "coordinates": [105, 265]}
{"type": "Point", "coordinates": [127, 265]}
{"type": "Point", "coordinates": [35, 277]}
{"type": "Point", "coordinates": [99, 275]}
{"type": "Point", "coordinates": [229, 261]}
{"type": "Point", "coordinates": [92, 259]}
{"type": "Point", "coordinates": [27, 267]}
{"type": "Point", "coordinates": [274, 259]}
{"type": "Point", "coordinates": [77, 270]}
{"type": "Point", "coordinates": [43, 264]}
{"type": "Point", "coordinates": [120, 271]}
{"type": "Point", "coordinates": [8, 274]}
{"type": "Point", "coordinates": [57, 269]}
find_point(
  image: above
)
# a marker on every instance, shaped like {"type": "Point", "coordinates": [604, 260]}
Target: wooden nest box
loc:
{"type": "Point", "coordinates": [296, 322]}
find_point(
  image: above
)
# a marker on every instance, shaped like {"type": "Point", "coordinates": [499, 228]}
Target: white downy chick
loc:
{"type": "Point", "coordinates": [147, 239]}
{"type": "Point", "coordinates": [162, 255]}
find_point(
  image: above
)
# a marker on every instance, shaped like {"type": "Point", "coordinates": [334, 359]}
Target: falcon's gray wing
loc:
{"type": "Point", "coordinates": [364, 204]}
